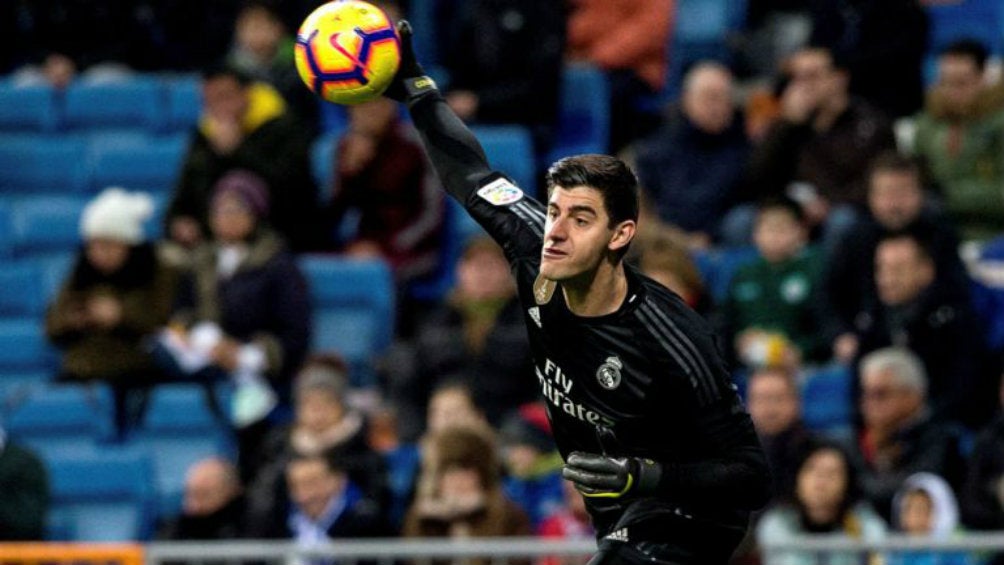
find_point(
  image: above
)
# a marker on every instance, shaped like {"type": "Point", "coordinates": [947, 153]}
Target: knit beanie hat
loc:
{"type": "Point", "coordinates": [528, 426]}
{"type": "Point", "coordinates": [249, 187]}
{"type": "Point", "coordinates": [116, 215]}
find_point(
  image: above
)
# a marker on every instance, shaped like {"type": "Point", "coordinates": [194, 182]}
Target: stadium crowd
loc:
{"type": "Point", "coordinates": [856, 199]}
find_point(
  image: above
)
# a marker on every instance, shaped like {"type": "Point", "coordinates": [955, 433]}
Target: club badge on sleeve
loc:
{"type": "Point", "coordinates": [500, 192]}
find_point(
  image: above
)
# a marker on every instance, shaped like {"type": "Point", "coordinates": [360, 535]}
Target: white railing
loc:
{"type": "Point", "coordinates": [497, 551]}
{"type": "Point", "coordinates": [500, 551]}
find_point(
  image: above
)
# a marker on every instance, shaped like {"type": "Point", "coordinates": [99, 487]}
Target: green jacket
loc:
{"type": "Point", "coordinates": [972, 177]}
{"type": "Point", "coordinates": [779, 298]}
{"type": "Point", "coordinates": [24, 494]}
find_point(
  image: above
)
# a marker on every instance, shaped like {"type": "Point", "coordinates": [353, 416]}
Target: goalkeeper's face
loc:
{"type": "Point", "coordinates": [578, 235]}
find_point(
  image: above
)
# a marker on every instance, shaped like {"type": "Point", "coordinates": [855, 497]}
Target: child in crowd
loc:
{"type": "Point", "coordinates": [770, 312]}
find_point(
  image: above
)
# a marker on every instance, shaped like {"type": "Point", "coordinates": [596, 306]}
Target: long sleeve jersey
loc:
{"type": "Point", "coordinates": [650, 375]}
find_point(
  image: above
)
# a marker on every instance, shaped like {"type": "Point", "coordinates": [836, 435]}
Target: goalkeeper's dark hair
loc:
{"type": "Point", "coordinates": [609, 175]}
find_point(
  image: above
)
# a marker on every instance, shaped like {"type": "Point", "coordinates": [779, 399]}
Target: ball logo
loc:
{"type": "Point", "coordinates": [609, 373]}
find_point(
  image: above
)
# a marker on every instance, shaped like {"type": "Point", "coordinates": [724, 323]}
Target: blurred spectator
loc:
{"type": "Point", "coordinates": [827, 500]}
{"type": "Point", "coordinates": [896, 202]}
{"type": "Point", "coordinates": [67, 37]}
{"type": "Point", "coordinates": [117, 295]}
{"type": "Point", "coordinates": [324, 505]}
{"type": "Point", "coordinates": [245, 306]}
{"type": "Point", "coordinates": [213, 505]}
{"type": "Point", "coordinates": [402, 459]}
{"type": "Point", "coordinates": [628, 38]}
{"type": "Point", "coordinates": [771, 311]}
{"type": "Point", "coordinates": [819, 149]}
{"type": "Point", "coordinates": [664, 258]}
{"type": "Point", "coordinates": [960, 137]}
{"type": "Point", "coordinates": [916, 312]}
{"type": "Point", "coordinates": [452, 404]}
{"type": "Point", "coordinates": [467, 498]}
{"type": "Point", "coordinates": [505, 61]}
{"type": "Point", "coordinates": [884, 44]}
{"type": "Point", "coordinates": [571, 522]}
{"type": "Point", "coordinates": [775, 405]}
{"type": "Point", "coordinates": [925, 507]}
{"type": "Point", "coordinates": [692, 167]}
{"type": "Point", "coordinates": [24, 493]}
{"type": "Point", "coordinates": [982, 496]}
{"type": "Point", "coordinates": [187, 35]}
{"type": "Point", "coordinates": [477, 336]}
{"type": "Point", "coordinates": [245, 125]}
{"type": "Point", "coordinates": [263, 49]}
{"type": "Point", "coordinates": [898, 436]}
{"type": "Point", "coordinates": [773, 30]}
{"type": "Point", "coordinates": [383, 177]}
{"type": "Point", "coordinates": [533, 463]}
{"type": "Point", "coordinates": [323, 424]}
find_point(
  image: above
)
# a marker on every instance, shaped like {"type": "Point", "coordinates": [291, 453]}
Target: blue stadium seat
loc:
{"type": "Point", "coordinates": [718, 266]}
{"type": "Point", "coordinates": [62, 418]}
{"type": "Point", "coordinates": [23, 346]}
{"type": "Point", "coordinates": [334, 118]}
{"type": "Point", "coordinates": [826, 399]}
{"type": "Point", "coordinates": [584, 118]}
{"type": "Point", "coordinates": [510, 150]}
{"type": "Point", "coordinates": [135, 103]}
{"type": "Point", "coordinates": [184, 103]}
{"type": "Point", "coordinates": [6, 231]}
{"type": "Point", "coordinates": [707, 20]}
{"type": "Point", "coordinates": [32, 164]}
{"type": "Point", "coordinates": [152, 165]}
{"type": "Point", "coordinates": [982, 20]}
{"type": "Point", "coordinates": [322, 161]}
{"type": "Point", "coordinates": [54, 268]}
{"type": "Point", "coordinates": [458, 228]}
{"type": "Point", "coordinates": [422, 14]}
{"type": "Point", "coordinates": [27, 108]}
{"type": "Point", "coordinates": [353, 309]}
{"type": "Point", "coordinates": [23, 292]}
{"type": "Point", "coordinates": [47, 224]}
{"type": "Point", "coordinates": [16, 386]}
{"type": "Point", "coordinates": [179, 429]}
{"type": "Point", "coordinates": [104, 496]}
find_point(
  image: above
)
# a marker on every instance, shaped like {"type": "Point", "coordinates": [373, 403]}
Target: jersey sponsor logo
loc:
{"type": "Point", "coordinates": [500, 192]}
{"type": "Point", "coordinates": [535, 315]}
{"type": "Point", "coordinates": [543, 289]}
{"type": "Point", "coordinates": [556, 386]}
{"type": "Point", "coordinates": [609, 373]}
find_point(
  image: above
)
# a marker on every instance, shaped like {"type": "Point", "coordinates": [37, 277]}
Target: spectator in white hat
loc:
{"type": "Point", "coordinates": [116, 295]}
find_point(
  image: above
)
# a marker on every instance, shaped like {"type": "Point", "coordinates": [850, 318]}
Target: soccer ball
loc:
{"type": "Point", "coordinates": [347, 51]}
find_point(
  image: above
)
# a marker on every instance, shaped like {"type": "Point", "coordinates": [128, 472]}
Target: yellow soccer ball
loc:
{"type": "Point", "coordinates": [347, 51]}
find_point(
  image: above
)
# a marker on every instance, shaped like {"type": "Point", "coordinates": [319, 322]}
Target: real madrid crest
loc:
{"type": "Point", "coordinates": [609, 373]}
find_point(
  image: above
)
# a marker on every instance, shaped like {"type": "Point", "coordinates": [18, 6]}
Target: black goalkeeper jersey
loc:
{"type": "Point", "coordinates": [647, 380]}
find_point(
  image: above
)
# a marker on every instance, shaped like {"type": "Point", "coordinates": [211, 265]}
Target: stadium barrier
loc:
{"type": "Point", "coordinates": [491, 551]}
{"type": "Point", "coordinates": [976, 548]}
{"type": "Point", "coordinates": [71, 553]}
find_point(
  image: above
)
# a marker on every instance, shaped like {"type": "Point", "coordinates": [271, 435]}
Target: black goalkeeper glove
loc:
{"type": "Point", "coordinates": [410, 83]}
{"type": "Point", "coordinates": [602, 476]}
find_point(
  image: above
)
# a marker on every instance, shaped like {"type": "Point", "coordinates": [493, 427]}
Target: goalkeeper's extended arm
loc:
{"type": "Point", "coordinates": [454, 151]}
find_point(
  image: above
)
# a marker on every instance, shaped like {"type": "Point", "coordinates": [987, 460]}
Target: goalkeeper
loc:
{"type": "Point", "coordinates": [652, 431]}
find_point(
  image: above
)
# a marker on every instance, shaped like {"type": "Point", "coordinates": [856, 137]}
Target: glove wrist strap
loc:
{"type": "Point", "coordinates": [417, 88]}
{"type": "Point", "coordinates": [649, 476]}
